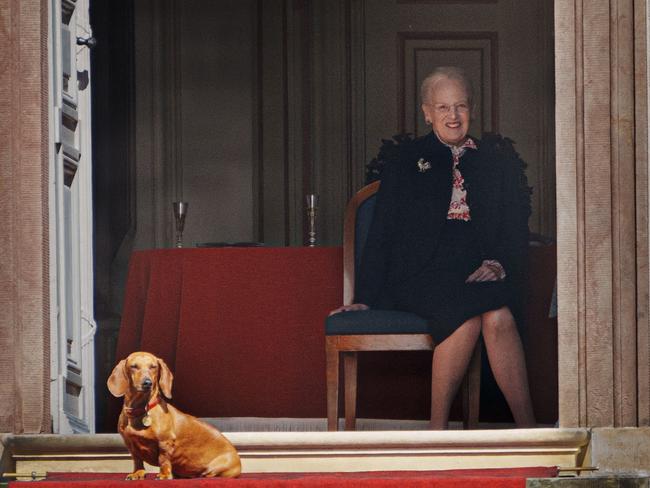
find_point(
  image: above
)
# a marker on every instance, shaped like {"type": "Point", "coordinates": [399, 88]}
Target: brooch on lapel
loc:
{"type": "Point", "coordinates": [423, 165]}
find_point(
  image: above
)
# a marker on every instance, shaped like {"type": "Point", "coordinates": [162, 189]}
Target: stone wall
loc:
{"type": "Point", "coordinates": [602, 201]}
{"type": "Point", "coordinates": [24, 249]}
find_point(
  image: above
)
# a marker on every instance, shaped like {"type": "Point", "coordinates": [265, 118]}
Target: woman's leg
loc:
{"type": "Point", "coordinates": [506, 355]}
{"type": "Point", "coordinates": [450, 360]}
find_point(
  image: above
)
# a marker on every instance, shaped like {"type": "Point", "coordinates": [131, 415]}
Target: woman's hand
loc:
{"type": "Point", "coordinates": [355, 307]}
{"type": "Point", "coordinates": [489, 270]}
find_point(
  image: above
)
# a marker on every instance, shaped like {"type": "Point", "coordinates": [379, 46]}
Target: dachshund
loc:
{"type": "Point", "coordinates": [156, 432]}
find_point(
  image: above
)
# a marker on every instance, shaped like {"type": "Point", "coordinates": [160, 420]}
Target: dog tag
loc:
{"type": "Point", "coordinates": [146, 421]}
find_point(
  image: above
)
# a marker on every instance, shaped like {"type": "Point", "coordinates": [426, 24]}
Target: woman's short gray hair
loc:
{"type": "Point", "coordinates": [450, 73]}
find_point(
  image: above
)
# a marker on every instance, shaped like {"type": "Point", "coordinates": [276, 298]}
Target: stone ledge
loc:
{"type": "Point", "coordinates": [326, 451]}
{"type": "Point", "coordinates": [618, 480]}
{"type": "Point", "coordinates": [621, 449]}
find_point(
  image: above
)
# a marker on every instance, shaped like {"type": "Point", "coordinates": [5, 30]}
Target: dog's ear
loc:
{"type": "Point", "coordinates": [118, 381]}
{"type": "Point", "coordinates": [165, 380]}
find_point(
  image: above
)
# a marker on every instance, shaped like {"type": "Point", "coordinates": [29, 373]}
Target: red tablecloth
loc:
{"type": "Point", "coordinates": [241, 328]}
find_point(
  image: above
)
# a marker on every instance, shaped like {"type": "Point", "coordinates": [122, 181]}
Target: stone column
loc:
{"type": "Point", "coordinates": [24, 249]}
{"type": "Point", "coordinates": [601, 127]}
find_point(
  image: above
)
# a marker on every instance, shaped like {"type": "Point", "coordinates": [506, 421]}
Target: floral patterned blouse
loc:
{"type": "Point", "coordinates": [458, 208]}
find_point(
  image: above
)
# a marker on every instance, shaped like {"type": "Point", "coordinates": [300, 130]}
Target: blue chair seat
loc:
{"type": "Point", "coordinates": [375, 322]}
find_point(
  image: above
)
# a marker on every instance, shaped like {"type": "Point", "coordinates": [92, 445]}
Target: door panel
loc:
{"type": "Point", "coordinates": [420, 52]}
{"type": "Point", "coordinates": [73, 329]}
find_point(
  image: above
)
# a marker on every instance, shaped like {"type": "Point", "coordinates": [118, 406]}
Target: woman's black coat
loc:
{"type": "Point", "coordinates": [412, 207]}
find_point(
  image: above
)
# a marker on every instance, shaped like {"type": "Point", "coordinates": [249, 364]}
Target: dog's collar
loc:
{"type": "Point", "coordinates": [140, 411]}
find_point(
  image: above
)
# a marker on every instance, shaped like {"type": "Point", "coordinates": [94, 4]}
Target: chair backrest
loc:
{"type": "Point", "coordinates": [358, 217]}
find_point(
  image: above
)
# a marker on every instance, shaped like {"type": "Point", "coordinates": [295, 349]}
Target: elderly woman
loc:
{"type": "Point", "coordinates": [447, 241]}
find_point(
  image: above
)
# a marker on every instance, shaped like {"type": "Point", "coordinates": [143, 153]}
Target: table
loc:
{"type": "Point", "coordinates": [243, 331]}
{"type": "Point", "coordinates": [241, 328]}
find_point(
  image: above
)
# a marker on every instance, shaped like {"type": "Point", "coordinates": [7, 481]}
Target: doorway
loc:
{"type": "Point", "coordinates": [318, 85]}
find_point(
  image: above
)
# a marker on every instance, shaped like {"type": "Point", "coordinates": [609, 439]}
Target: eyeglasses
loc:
{"type": "Point", "coordinates": [444, 109]}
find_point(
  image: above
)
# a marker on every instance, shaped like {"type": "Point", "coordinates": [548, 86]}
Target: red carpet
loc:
{"type": "Point", "coordinates": [484, 478]}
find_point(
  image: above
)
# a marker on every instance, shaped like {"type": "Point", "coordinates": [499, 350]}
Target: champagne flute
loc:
{"type": "Point", "coordinates": [312, 205]}
{"type": "Point", "coordinates": [180, 211]}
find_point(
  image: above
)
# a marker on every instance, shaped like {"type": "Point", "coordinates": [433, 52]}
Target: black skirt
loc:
{"type": "Point", "coordinates": [439, 293]}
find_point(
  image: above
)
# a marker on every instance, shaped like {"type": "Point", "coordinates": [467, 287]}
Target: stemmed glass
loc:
{"type": "Point", "coordinates": [312, 205]}
{"type": "Point", "coordinates": [180, 211]}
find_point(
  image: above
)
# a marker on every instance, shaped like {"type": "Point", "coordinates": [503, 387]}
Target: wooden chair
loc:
{"type": "Point", "coordinates": [348, 333]}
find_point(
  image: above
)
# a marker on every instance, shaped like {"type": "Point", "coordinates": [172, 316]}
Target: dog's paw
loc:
{"type": "Point", "coordinates": [137, 475]}
{"type": "Point", "coordinates": [165, 476]}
